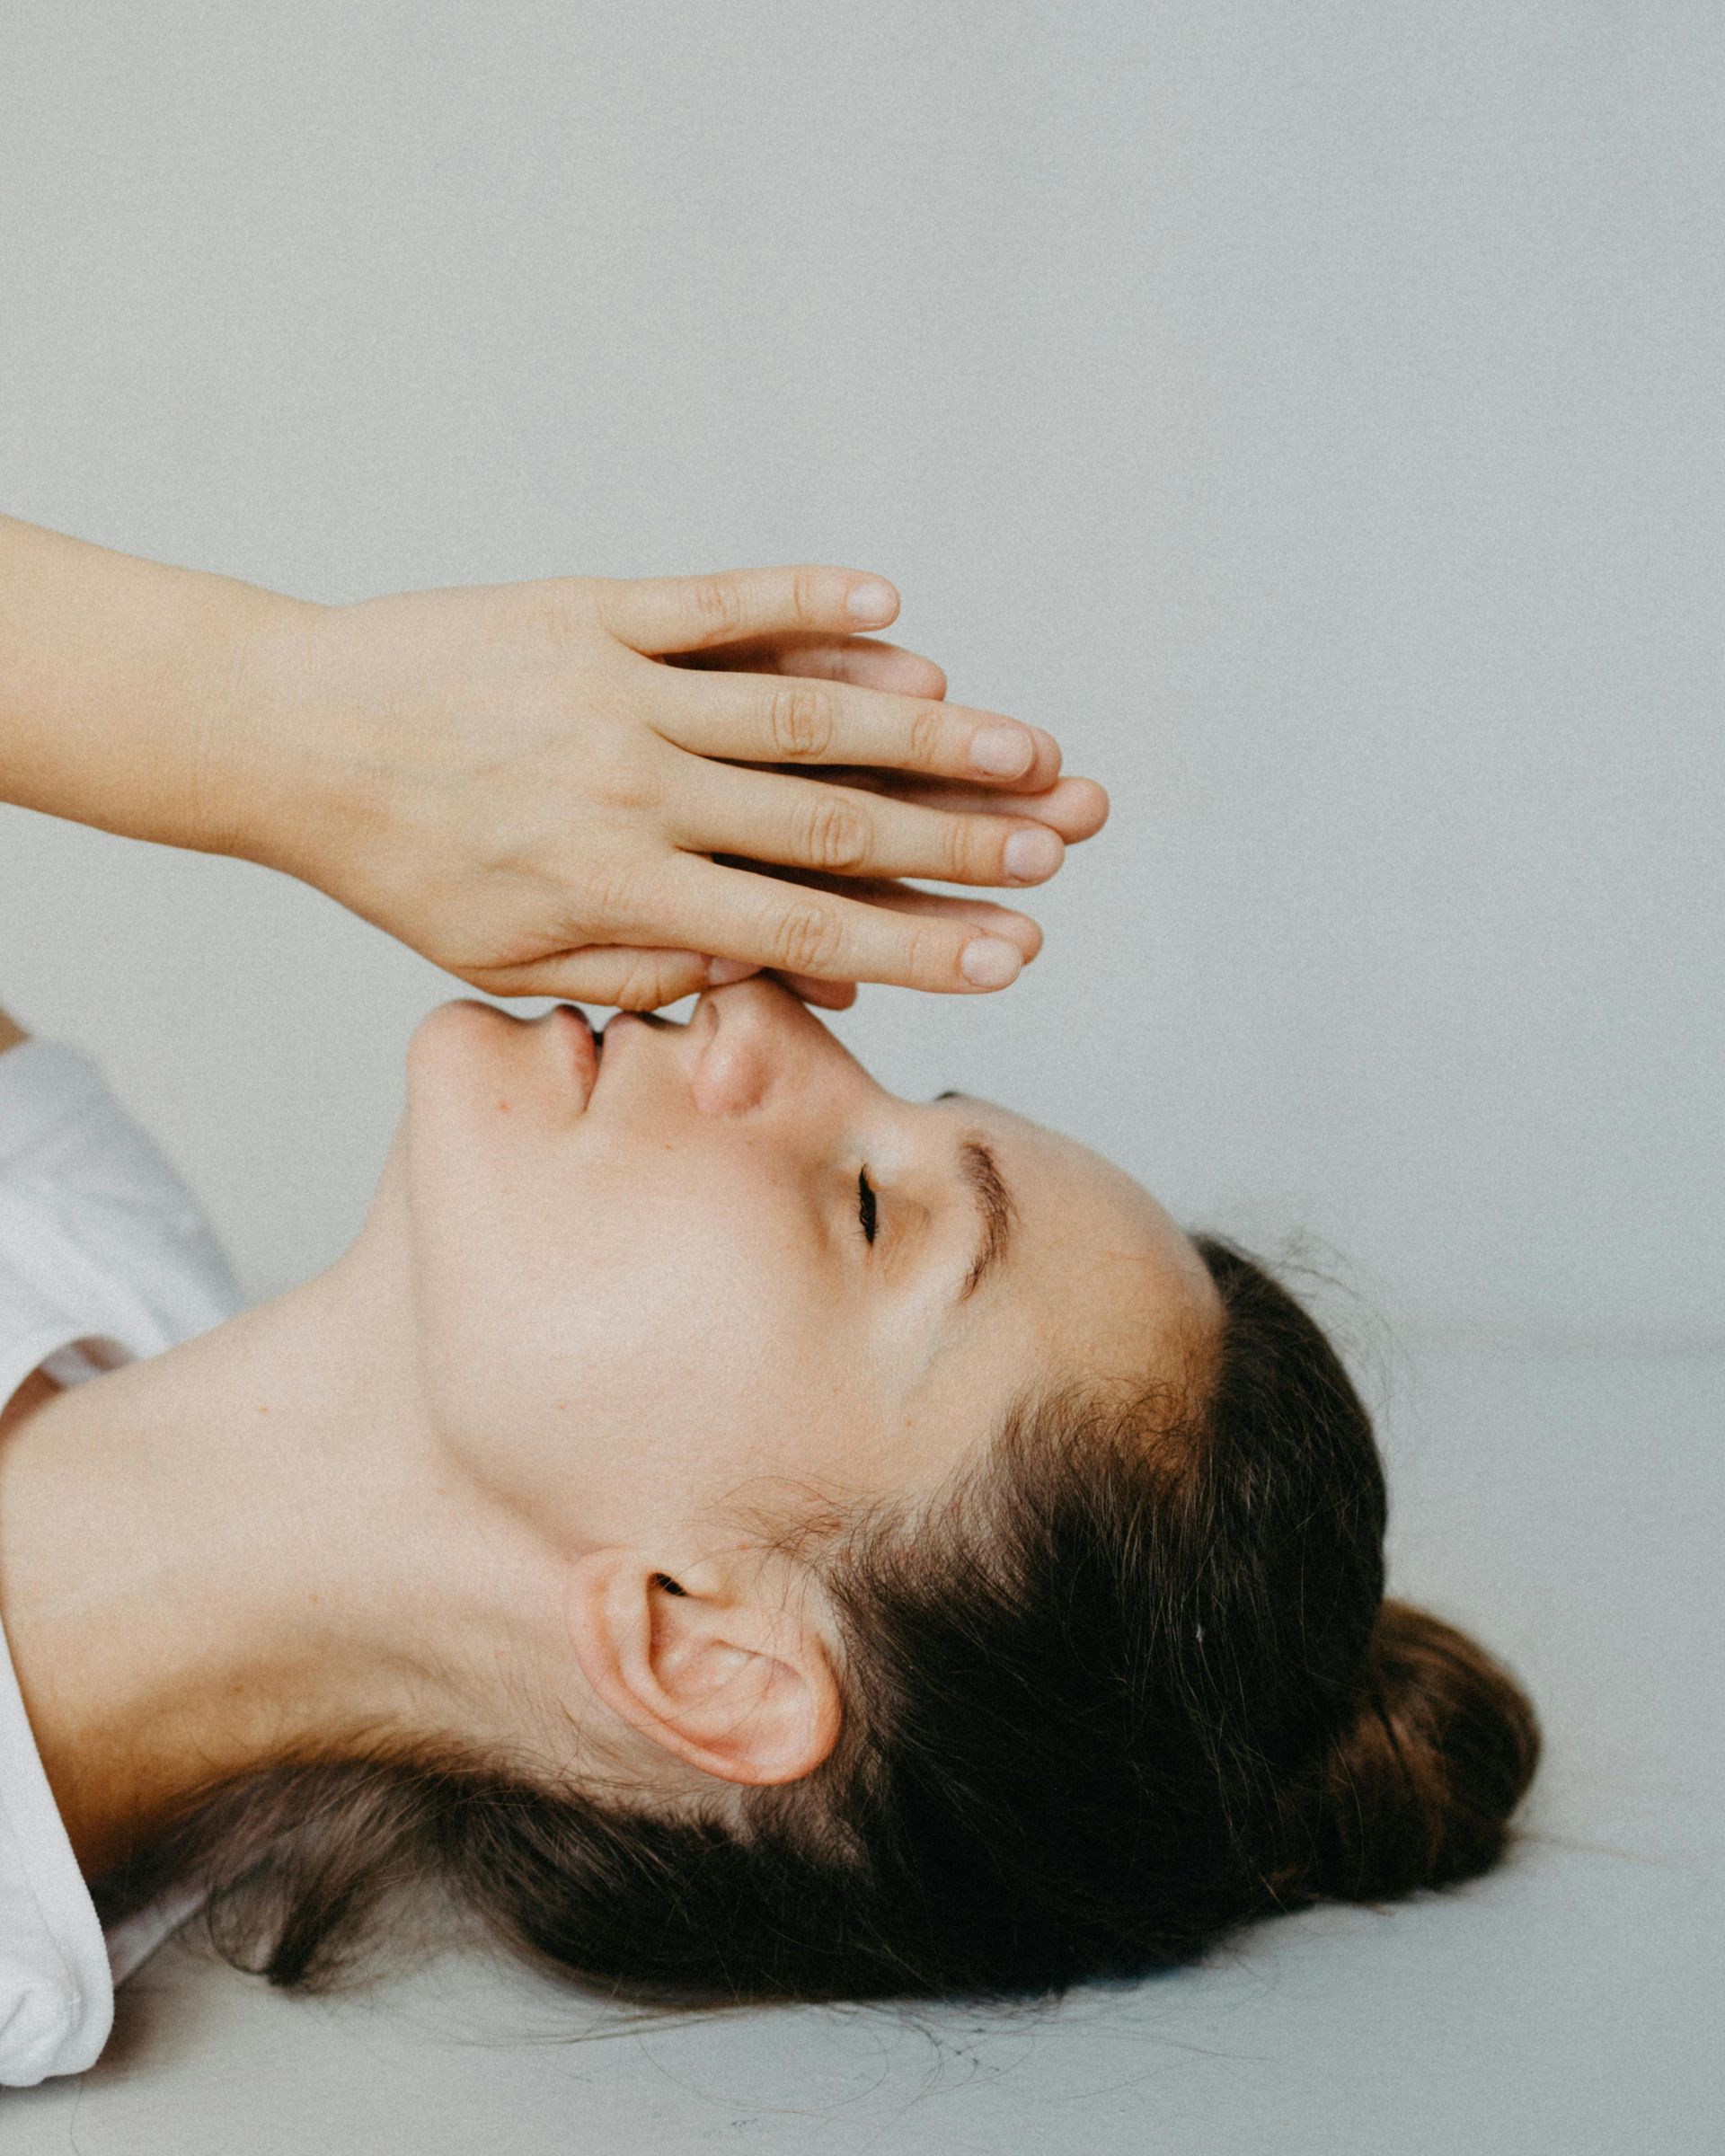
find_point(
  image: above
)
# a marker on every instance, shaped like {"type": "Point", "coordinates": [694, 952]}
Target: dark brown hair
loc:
{"type": "Point", "coordinates": [1132, 1683]}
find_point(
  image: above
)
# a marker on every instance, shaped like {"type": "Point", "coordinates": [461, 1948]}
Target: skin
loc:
{"type": "Point", "coordinates": [608, 1319]}
{"type": "Point", "coordinates": [615, 790]}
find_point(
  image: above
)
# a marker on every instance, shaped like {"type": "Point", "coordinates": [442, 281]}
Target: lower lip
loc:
{"type": "Point", "coordinates": [584, 1047]}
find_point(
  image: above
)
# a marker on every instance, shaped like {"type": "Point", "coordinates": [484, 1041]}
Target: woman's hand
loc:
{"type": "Point", "coordinates": [528, 784]}
{"type": "Point", "coordinates": [574, 788]}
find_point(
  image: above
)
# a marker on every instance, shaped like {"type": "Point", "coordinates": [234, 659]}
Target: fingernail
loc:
{"type": "Point", "coordinates": [1030, 855]}
{"type": "Point", "coordinates": [1002, 751]}
{"type": "Point", "coordinates": [871, 601]}
{"type": "Point", "coordinates": [722, 972]}
{"type": "Point", "coordinates": [990, 962]}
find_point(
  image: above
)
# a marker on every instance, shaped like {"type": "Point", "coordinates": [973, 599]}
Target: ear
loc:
{"type": "Point", "coordinates": [733, 1680]}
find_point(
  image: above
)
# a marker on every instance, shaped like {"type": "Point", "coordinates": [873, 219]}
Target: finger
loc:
{"type": "Point", "coordinates": [975, 912]}
{"type": "Point", "coordinates": [604, 973]}
{"type": "Point", "coordinates": [832, 996]}
{"type": "Point", "coordinates": [647, 980]}
{"type": "Point", "coordinates": [861, 659]}
{"type": "Point", "coordinates": [863, 663]}
{"type": "Point", "coordinates": [761, 719]}
{"type": "Point", "coordinates": [981, 914]}
{"type": "Point", "coordinates": [829, 937]}
{"type": "Point", "coordinates": [827, 995]}
{"type": "Point", "coordinates": [692, 613]}
{"type": "Point", "coordinates": [806, 823]}
{"type": "Point", "coordinates": [1077, 808]}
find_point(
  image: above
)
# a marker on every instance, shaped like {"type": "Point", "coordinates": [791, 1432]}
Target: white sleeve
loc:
{"type": "Point", "coordinates": [92, 1216]}
{"type": "Point", "coordinates": [104, 1255]}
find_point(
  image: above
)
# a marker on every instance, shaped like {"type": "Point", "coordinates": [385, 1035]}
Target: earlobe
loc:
{"type": "Point", "coordinates": [738, 1687]}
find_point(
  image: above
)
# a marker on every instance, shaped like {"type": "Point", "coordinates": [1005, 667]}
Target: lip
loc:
{"type": "Point", "coordinates": [584, 1049]}
{"type": "Point", "coordinates": [624, 1025]}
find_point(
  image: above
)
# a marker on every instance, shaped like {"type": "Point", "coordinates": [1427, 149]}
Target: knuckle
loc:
{"type": "Point", "coordinates": [573, 604]}
{"type": "Point", "coordinates": [606, 903]}
{"type": "Point", "coordinates": [806, 596]}
{"type": "Point", "coordinates": [615, 777]}
{"type": "Point", "coordinates": [717, 604]}
{"type": "Point", "coordinates": [556, 608]}
{"type": "Point", "coordinates": [645, 982]}
{"type": "Point", "coordinates": [804, 939]}
{"type": "Point", "coordinates": [802, 722]}
{"type": "Point", "coordinates": [928, 956]}
{"type": "Point", "coordinates": [972, 849]}
{"type": "Point", "coordinates": [604, 599]}
{"type": "Point", "coordinates": [838, 836]}
{"type": "Point", "coordinates": [927, 734]}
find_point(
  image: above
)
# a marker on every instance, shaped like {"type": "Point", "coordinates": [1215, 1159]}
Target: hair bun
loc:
{"type": "Point", "coordinates": [1418, 1788]}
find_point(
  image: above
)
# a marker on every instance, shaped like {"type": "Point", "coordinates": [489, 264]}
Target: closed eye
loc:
{"type": "Point", "coordinates": [866, 1209]}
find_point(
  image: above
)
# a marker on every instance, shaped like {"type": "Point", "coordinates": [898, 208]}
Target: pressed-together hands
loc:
{"type": "Point", "coordinates": [535, 801]}
{"type": "Point", "coordinates": [607, 790]}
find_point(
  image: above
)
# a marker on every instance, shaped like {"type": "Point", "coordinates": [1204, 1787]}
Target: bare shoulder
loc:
{"type": "Point", "coordinates": [36, 1391]}
{"type": "Point", "coordinates": [10, 1033]}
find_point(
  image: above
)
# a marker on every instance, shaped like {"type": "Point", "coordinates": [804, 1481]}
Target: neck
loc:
{"type": "Point", "coordinates": [250, 1551]}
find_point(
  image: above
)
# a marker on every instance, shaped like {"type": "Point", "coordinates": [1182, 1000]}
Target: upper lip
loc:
{"type": "Point", "coordinates": [599, 1033]}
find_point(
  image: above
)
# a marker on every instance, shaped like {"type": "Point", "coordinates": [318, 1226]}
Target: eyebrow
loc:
{"type": "Point", "coordinates": [996, 1215]}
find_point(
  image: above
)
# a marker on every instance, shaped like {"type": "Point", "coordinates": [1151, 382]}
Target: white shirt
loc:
{"type": "Point", "coordinates": [104, 1256]}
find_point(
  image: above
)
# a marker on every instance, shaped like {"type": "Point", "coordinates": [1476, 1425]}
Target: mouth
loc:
{"type": "Point", "coordinates": [587, 1043]}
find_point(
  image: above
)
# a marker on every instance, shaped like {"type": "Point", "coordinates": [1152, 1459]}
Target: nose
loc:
{"type": "Point", "coordinates": [758, 1037]}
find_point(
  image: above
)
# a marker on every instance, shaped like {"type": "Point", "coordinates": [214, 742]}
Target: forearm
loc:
{"type": "Point", "coordinates": [134, 696]}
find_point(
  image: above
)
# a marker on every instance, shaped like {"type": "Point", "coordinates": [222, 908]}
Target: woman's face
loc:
{"type": "Point", "coordinates": [702, 1263]}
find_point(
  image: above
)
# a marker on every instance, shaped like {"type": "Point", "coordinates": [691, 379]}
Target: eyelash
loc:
{"type": "Point", "coordinates": [867, 1208]}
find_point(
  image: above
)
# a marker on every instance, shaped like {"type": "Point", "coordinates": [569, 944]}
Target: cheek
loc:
{"type": "Point", "coordinates": [686, 1338]}
{"type": "Point", "coordinates": [618, 1314]}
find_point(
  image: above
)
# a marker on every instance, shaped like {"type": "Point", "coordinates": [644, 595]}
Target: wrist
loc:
{"type": "Point", "coordinates": [277, 793]}
{"type": "Point", "coordinates": [135, 696]}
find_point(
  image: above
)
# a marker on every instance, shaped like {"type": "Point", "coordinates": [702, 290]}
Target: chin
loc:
{"type": "Point", "coordinates": [463, 1018]}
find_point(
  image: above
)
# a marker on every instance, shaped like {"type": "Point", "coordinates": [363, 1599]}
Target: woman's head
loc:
{"type": "Point", "coordinates": [952, 1642]}
{"type": "Point", "coordinates": [711, 1279]}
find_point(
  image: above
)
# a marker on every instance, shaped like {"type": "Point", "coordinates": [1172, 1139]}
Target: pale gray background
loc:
{"type": "Point", "coordinates": [1312, 414]}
